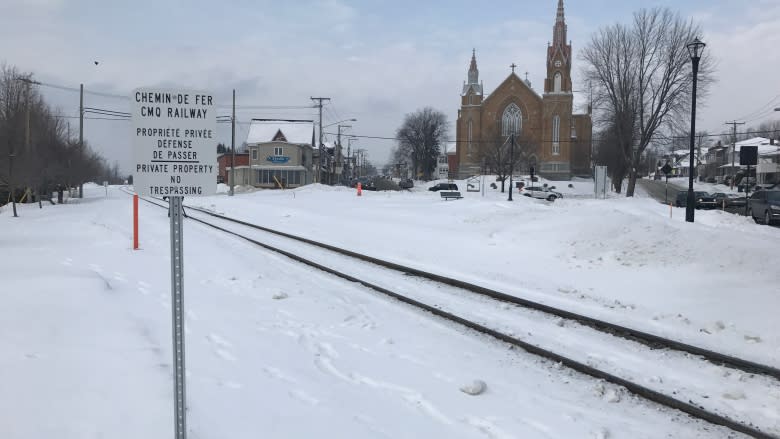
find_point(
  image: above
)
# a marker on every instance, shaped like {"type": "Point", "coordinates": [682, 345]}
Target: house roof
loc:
{"type": "Point", "coordinates": [290, 131]}
{"type": "Point", "coordinates": [762, 143]}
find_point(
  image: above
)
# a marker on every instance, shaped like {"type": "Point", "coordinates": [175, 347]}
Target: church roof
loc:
{"type": "Point", "coordinates": [290, 131]}
{"type": "Point", "coordinates": [508, 78]}
{"type": "Point", "coordinates": [476, 87]}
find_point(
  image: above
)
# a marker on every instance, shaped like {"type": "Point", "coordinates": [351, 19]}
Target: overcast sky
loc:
{"type": "Point", "coordinates": [377, 60]}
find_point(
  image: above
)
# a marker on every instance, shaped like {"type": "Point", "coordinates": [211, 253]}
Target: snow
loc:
{"type": "Point", "coordinates": [280, 350]}
{"type": "Point", "coordinates": [620, 259]}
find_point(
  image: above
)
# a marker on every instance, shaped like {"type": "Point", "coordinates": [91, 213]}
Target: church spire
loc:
{"type": "Point", "coordinates": [559, 17]}
{"type": "Point", "coordinates": [559, 30]}
{"type": "Point", "coordinates": [473, 71]}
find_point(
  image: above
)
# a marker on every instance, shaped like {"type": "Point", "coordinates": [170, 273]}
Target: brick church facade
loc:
{"type": "Point", "coordinates": [548, 136]}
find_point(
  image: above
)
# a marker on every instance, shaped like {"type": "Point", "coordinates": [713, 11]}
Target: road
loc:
{"type": "Point", "coordinates": [657, 189]}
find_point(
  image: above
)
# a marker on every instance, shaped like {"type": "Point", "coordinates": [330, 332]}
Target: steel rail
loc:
{"type": "Point", "coordinates": [637, 389]}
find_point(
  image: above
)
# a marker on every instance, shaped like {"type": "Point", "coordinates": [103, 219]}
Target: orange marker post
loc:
{"type": "Point", "coordinates": [135, 222]}
{"type": "Point", "coordinates": [359, 189]}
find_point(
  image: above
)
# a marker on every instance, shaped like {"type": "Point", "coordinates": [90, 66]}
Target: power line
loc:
{"type": "Point", "coordinates": [760, 109]}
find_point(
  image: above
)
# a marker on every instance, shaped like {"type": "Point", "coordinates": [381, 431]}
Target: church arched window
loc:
{"type": "Point", "coordinates": [512, 120]}
{"type": "Point", "coordinates": [469, 136]}
{"type": "Point", "coordinates": [557, 82]}
{"type": "Point", "coordinates": [556, 135]}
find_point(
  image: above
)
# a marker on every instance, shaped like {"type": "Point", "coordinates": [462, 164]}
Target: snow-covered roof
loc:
{"type": "Point", "coordinates": [763, 144]}
{"type": "Point", "coordinates": [290, 131]}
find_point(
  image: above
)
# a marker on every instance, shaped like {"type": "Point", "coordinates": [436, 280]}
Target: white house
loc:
{"type": "Point", "coordinates": [768, 168]}
{"type": "Point", "coordinates": [280, 153]}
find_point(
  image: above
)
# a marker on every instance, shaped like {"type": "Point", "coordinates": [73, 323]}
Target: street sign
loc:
{"type": "Point", "coordinates": [666, 169]}
{"type": "Point", "coordinates": [174, 142]}
{"type": "Point", "coordinates": [175, 156]}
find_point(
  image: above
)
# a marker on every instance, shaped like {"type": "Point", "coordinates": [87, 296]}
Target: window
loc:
{"type": "Point", "coordinates": [556, 134]}
{"type": "Point", "coordinates": [557, 82]}
{"type": "Point", "coordinates": [254, 153]}
{"type": "Point", "coordinates": [469, 138]}
{"type": "Point", "coordinates": [278, 150]}
{"type": "Point", "coordinates": [511, 122]}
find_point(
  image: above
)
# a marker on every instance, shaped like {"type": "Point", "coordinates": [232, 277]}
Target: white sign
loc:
{"type": "Point", "coordinates": [174, 145]}
{"type": "Point", "coordinates": [600, 182]}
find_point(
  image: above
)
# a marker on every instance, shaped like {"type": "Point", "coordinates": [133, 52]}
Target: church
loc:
{"type": "Point", "coordinates": [549, 137]}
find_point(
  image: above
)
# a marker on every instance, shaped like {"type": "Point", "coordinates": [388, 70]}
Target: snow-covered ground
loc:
{"type": "Point", "coordinates": [712, 283]}
{"type": "Point", "coordinates": [277, 350]}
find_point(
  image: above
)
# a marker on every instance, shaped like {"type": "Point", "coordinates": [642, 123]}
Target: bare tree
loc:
{"type": "Point", "coordinates": [421, 136]}
{"type": "Point", "coordinates": [609, 153]}
{"type": "Point", "coordinates": [642, 80]}
{"type": "Point", "coordinates": [35, 152]}
{"type": "Point", "coordinates": [499, 156]}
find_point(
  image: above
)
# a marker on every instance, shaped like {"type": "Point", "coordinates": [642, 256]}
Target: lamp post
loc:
{"type": "Point", "coordinates": [695, 49]}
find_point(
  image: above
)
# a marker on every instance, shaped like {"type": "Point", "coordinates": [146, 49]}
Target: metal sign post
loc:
{"type": "Point", "coordinates": [177, 309]}
{"type": "Point", "coordinates": [666, 170]}
{"type": "Point", "coordinates": [173, 143]}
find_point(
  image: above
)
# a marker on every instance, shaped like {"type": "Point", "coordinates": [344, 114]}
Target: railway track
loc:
{"type": "Point", "coordinates": [507, 318]}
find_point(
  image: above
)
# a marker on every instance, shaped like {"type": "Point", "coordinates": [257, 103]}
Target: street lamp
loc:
{"type": "Point", "coordinates": [695, 49]}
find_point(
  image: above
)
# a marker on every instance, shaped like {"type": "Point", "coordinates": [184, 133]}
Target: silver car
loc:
{"type": "Point", "coordinates": [541, 193]}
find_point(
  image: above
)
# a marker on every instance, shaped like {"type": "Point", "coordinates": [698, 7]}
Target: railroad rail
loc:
{"type": "Point", "coordinates": [651, 340]}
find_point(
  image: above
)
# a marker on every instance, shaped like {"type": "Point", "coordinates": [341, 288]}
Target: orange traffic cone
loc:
{"type": "Point", "coordinates": [359, 189]}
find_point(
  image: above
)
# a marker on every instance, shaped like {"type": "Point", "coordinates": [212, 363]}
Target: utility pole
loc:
{"type": "Point", "coordinates": [337, 152]}
{"type": "Point", "coordinates": [233, 146]}
{"type": "Point", "coordinates": [733, 147]}
{"type": "Point", "coordinates": [319, 147]}
{"type": "Point", "coordinates": [81, 132]}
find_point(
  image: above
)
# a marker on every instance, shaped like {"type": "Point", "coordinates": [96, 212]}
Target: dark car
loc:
{"type": "Point", "coordinates": [721, 199]}
{"type": "Point", "coordinates": [703, 200]}
{"type": "Point", "coordinates": [443, 187]}
{"type": "Point", "coordinates": [406, 183]}
{"type": "Point", "coordinates": [765, 206]}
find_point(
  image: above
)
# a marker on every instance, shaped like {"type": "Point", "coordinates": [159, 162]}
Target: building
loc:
{"type": "Point", "coordinates": [550, 138]}
{"type": "Point", "coordinates": [223, 160]}
{"type": "Point", "coordinates": [768, 169]}
{"type": "Point", "coordinates": [281, 154]}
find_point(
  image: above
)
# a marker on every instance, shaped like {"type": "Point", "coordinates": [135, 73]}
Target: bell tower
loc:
{"type": "Point", "coordinates": [558, 57]}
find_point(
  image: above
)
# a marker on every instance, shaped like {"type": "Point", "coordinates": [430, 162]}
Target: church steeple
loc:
{"type": "Point", "coordinates": [473, 87]}
{"type": "Point", "coordinates": [559, 30]}
{"type": "Point", "coordinates": [473, 71]}
{"type": "Point", "coordinates": [558, 57]}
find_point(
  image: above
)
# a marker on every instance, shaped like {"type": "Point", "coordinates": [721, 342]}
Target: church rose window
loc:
{"type": "Point", "coordinates": [511, 122]}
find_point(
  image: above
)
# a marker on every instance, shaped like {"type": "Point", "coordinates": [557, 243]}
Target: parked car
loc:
{"type": "Point", "coordinates": [703, 200]}
{"type": "Point", "coordinates": [720, 198]}
{"type": "Point", "coordinates": [443, 187]}
{"type": "Point", "coordinates": [406, 183]}
{"type": "Point", "coordinates": [765, 204]}
{"type": "Point", "coordinates": [541, 193]}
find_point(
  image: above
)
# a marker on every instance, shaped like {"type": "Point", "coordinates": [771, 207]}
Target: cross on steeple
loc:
{"type": "Point", "coordinates": [526, 76]}
{"type": "Point", "coordinates": [513, 67]}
